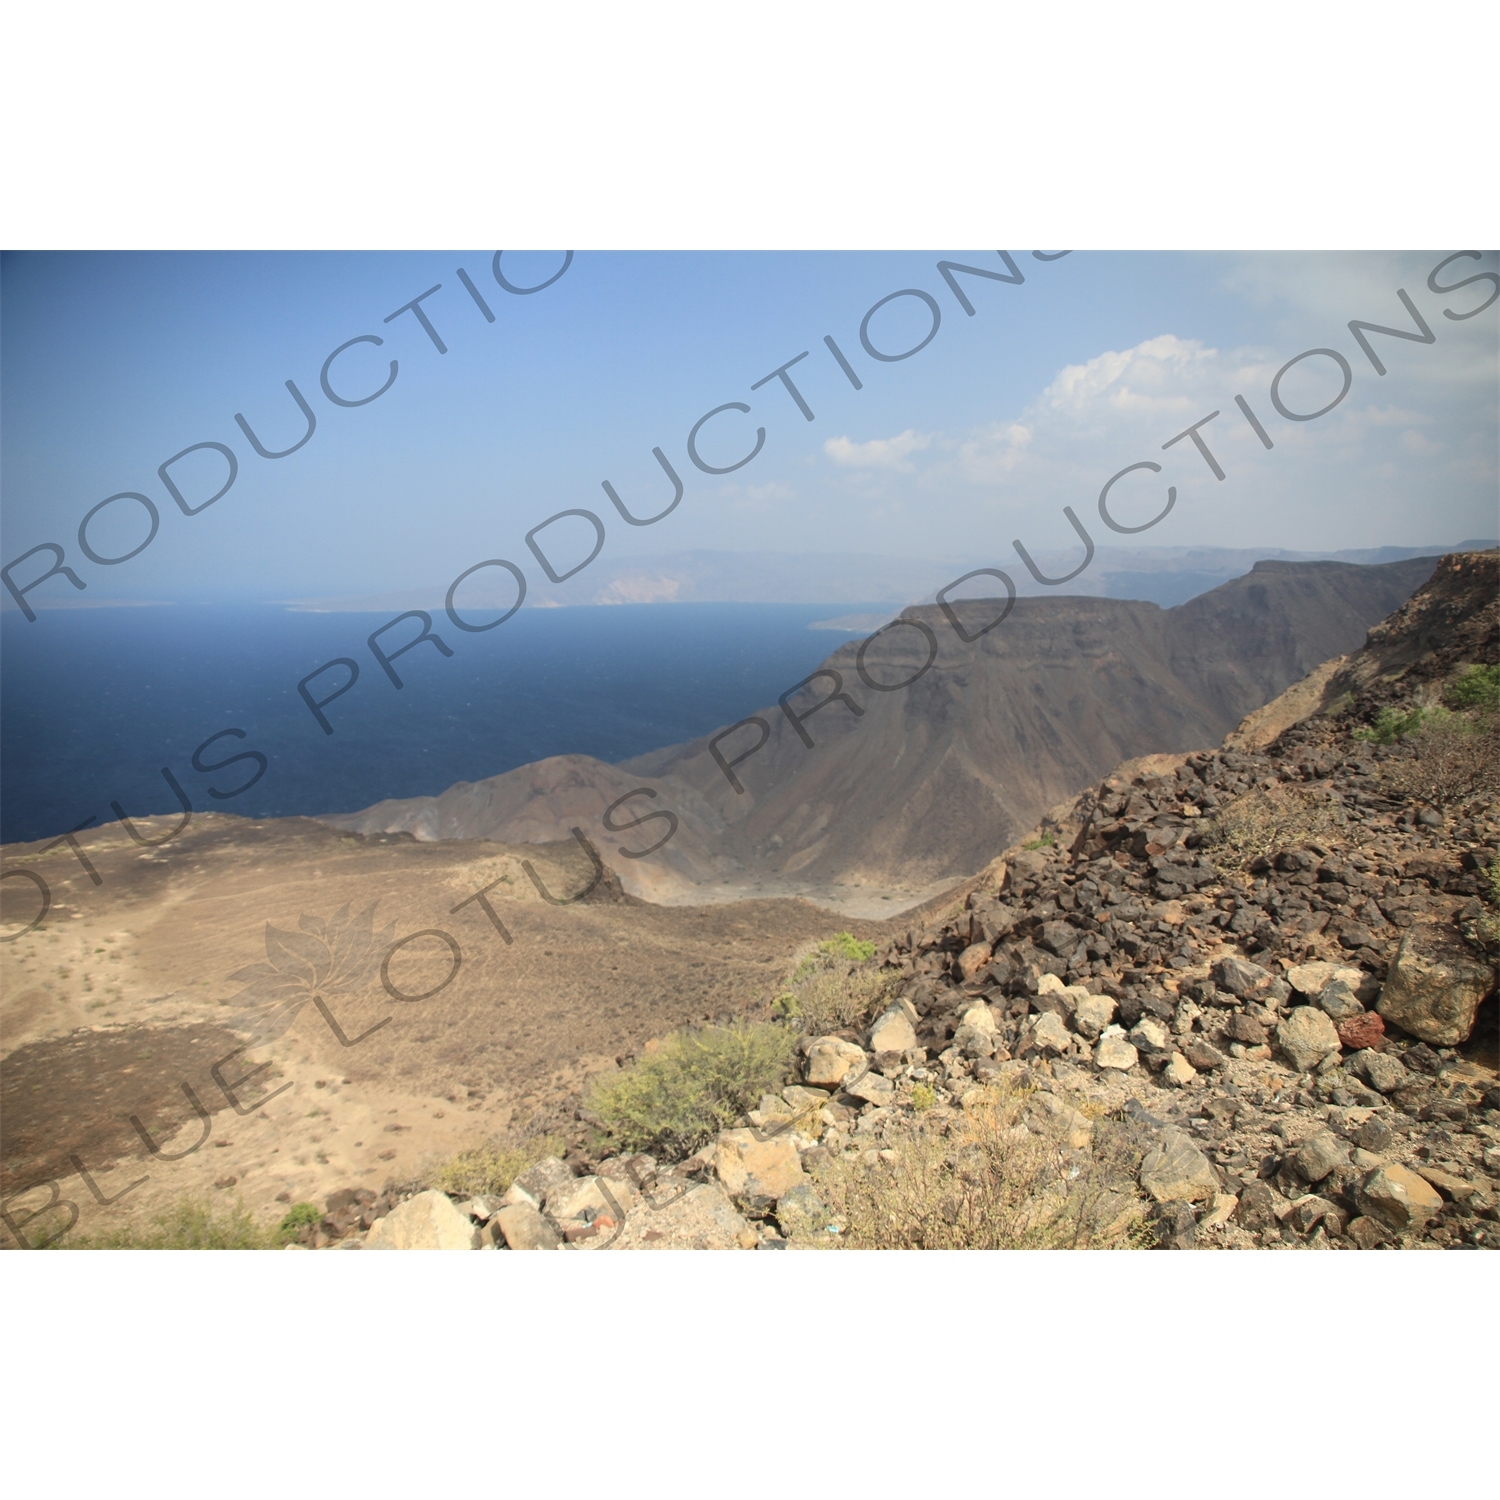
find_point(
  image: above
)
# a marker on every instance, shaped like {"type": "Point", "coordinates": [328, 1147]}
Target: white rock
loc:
{"type": "Point", "coordinates": [1093, 1014]}
{"type": "Point", "coordinates": [979, 1016]}
{"type": "Point", "coordinates": [1050, 984]}
{"type": "Point", "coordinates": [1050, 1034]}
{"type": "Point", "coordinates": [1149, 1033]}
{"type": "Point", "coordinates": [892, 1032]}
{"type": "Point", "coordinates": [1179, 1072]}
{"type": "Point", "coordinates": [753, 1167]}
{"type": "Point", "coordinates": [571, 1200]}
{"type": "Point", "coordinates": [1310, 979]}
{"type": "Point", "coordinates": [1113, 1052]}
{"type": "Point", "coordinates": [523, 1228]}
{"type": "Point", "coordinates": [702, 1218]}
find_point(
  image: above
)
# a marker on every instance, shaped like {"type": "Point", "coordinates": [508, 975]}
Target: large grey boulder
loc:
{"type": "Point", "coordinates": [700, 1217]}
{"type": "Point", "coordinates": [427, 1222]}
{"type": "Point", "coordinates": [1435, 985]}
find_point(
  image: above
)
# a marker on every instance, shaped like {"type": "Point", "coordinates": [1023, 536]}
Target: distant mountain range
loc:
{"type": "Point", "coordinates": [924, 783]}
{"type": "Point", "coordinates": [1159, 575]}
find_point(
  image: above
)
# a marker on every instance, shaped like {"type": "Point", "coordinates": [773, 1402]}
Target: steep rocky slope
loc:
{"type": "Point", "coordinates": [924, 782]}
{"type": "Point", "coordinates": [1263, 978]}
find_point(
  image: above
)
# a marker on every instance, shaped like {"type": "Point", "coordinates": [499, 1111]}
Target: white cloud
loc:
{"type": "Point", "coordinates": [1153, 376]}
{"type": "Point", "coordinates": [878, 453]}
{"type": "Point", "coordinates": [1360, 476]}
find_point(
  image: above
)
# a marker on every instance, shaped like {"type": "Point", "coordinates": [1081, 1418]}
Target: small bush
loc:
{"type": "Point", "coordinates": [295, 1217]}
{"type": "Point", "coordinates": [841, 948]}
{"type": "Point", "coordinates": [1002, 1179]}
{"type": "Point", "coordinates": [923, 1097]}
{"type": "Point", "coordinates": [188, 1225]}
{"type": "Point", "coordinates": [1263, 823]}
{"type": "Point", "coordinates": [826, 994]}
{"type": "Point", "coordinates": [1045, 841]}
{"type": "Point", "coordinates": [674, 1100]}
{"type": "Point", "coordinates": [846, 946]}
{"type": "Point", "coordinates": [835, 1002]}
{"type": "Point", "coordinates": [1452, 757]}
{"type": "Point", "coordinates": [491, 1168]}
{"type": "Point", "coordinates": [1479, 688]}
{"type": "Point", "coordinates": [1391, 726]}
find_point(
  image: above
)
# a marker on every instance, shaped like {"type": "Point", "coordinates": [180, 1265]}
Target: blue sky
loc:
{"type": "Point", "coordinates": [112, 363]}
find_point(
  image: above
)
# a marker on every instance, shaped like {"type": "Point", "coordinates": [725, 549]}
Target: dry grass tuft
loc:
{"type": "Point", "coordinates": [829, 1001]}
{"type": "Point", "coordinates": [834, 988]}
{"type": "Point", "coordinates": [1008, 1175]}
{"type": "Point", "coordinates": [1264, 822]}
{"type": "Point", "coordinates": [492, 1167]}
{"type": "Point", "coordinates": [190, 1224]}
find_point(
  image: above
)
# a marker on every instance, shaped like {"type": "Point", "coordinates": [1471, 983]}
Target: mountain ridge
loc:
{"type": "Point", "coordinates": [913, 789]}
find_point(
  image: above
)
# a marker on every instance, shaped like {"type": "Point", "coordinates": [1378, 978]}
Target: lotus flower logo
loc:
{"type": "Point", "coordinates": [339, 956]}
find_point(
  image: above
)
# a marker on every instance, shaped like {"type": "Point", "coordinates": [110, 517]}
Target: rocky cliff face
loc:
{"type": "Point", "coordinates": [922, 783]}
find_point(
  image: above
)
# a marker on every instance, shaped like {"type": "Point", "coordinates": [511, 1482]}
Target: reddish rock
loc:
{"type": "Point", "coordinates": [1365, 1030]}
{"type": "Point", "coordinates": [1243, 1029]}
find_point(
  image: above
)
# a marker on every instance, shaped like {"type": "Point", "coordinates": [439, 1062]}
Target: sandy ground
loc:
{"type": "Point", "coordinates": [116, 1011]}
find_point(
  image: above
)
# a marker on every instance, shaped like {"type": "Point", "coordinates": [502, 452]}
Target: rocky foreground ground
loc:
{"type": "Point", "coordinates": [1266, 974]}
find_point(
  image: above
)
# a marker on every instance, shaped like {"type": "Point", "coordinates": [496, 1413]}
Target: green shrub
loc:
{"type": "Point", "coordinates": [1479, 687]}
{"type": "Point", "coordinates": [492, 1167]}
{"type": "Point", "coordinates": [842, 947]}
{"type": "Point", "coordinates": [295, 1217]}
{"type": "Point", "coordinates": [923, 1097]}
{"type": "Point", "coordinates": [1045, 841]}
{"type": "Point", "coordinates": [845, 945]}
{"type": "Point", "coordinates": [1391, 726]}
{"type": "Point", "coordinates": [675, 1099]}
{"type": "Point", "coordinates": [189, 1224]}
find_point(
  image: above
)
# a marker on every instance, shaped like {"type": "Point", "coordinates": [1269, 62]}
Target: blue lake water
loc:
{"type": "Point", "coordinates": [93, 703]}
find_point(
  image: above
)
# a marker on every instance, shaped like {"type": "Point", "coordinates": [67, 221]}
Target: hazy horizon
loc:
{"type": "Point", "coordinates": [113, 363]}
